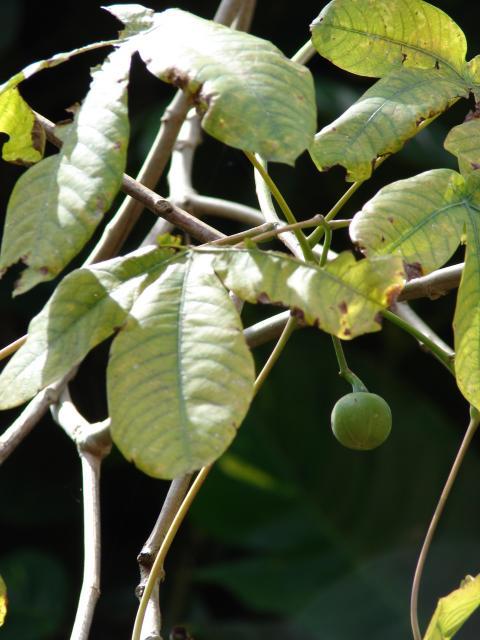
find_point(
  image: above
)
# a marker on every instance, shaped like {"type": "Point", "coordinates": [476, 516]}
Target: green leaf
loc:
{"type": "Point", "coordinates": [421, 219]}
{"type": "Point", "coordinates": [57, 204]}
{"type": "Point", "coordinates": [343, 298]}
{"type": "Point", "coordinates": [384, 118]}
{"type": "Point", "coordinates": [453, 610]}
{"type": "Point", "coordinates": [180, 378]}
{"type": "Point", "coordinates": [27, 137]}
{"type": "Point", "coordinates": [466, 322]}
{"type": "Point", "coordinates": [3, 601]}
{"type": "Point", "coordinates": [85, 309]}
{"type": "Point", "coordinates": [463, 141]}
{"type": "Point", "coordinates": [373, 37]}
{"type": "Point", "coordinates": [249, 94]}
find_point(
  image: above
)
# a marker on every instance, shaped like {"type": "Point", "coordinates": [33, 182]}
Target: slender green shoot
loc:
{"type": "Point", "coordinates": [344, 370]}
{"type": "Point", "coordinates": [287, 212]}
{"type": "Point", "coordinates": [443, 356]}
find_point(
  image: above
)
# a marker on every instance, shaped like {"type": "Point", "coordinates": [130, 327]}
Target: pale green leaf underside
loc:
{"type": "Point", "coordinates": [372, 37]}
{"type": "Point", "coordinates": [463, 141]}
{"type": "Point", "coordinates": [384, 118]}
{"type": "Point", "coordinates": [85, 309]}
{"type": "Point", "coordinates": [135, 17]}
{"type": "Point", "coordinates": [180, 378]}
{"type": "Point", "coordinates": [421, 219]}
{"type": "Point", "coordinates": [57, 204]}
{"type": "Point", "coordinates": [453, 610]}
{"type": "Point", "coordinates": [250, 95]}
{"type": "Point", "coordinates": [26, 138]}
{"type": "Point", "coordinates": [343, 298]}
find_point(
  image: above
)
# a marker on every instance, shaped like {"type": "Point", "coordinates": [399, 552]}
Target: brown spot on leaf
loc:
{"type": "Point", "coordinates": [392, 293]}
{"type": "Point", "coordinates": [347, 332]}
{"type": "Point", "coordinates": [299, 316]}
{"type": "Point", "coordinates": [413, 270]}
{"type": "Point", "coordinates": [391, 219]}
{"type": "Point", "coordinates": [44, 271]}
{"type": "Point", "coordinates": [437, 64]}
{"type": "Point", "coordinates": [38, 136]}
{"type": "Point", "coordinates": [475, 165]}
{"type": "Point", "coordinates": [404, 57]}
{"type": "Point", "coordinates": [179, 78]}
{"type": "Point", "coordinates": [343, 307]}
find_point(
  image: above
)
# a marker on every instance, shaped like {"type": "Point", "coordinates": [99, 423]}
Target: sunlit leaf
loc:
{"type": "Point", "coordinates": [85, 309]}
{"type": "Point", "coordinates": [384, 118]}
{"type": "Point", "coordinates": [135, 17]}
{"type": "Point", "coordinates": [423, 219]}
{"type": "Point", "coordinates": [453, 610]}
{"type": "Point", "coordinates": [3, 601]}
{"type": "Point", "coordinates": [57, 204]}
{"type": "Point", "coordinates": [180, 378]}
{"type": "Point", "coordinates": [343, 298]}
{"type": "Point", "coordinates": [464, 142]}
{"type": "Point", "coordinates": [372, 37]}
{"type": "Point", "coordinates": [250, 95]}
{"type": "Point", "coordinates": [27, 138]}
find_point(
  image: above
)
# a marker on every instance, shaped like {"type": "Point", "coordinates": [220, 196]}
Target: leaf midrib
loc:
{"type": "Point", "coordinates": [399, 43]}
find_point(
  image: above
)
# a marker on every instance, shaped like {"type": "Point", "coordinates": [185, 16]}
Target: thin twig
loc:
{"type": "Point", "coordinates": [12, 347]}
{"type": "Point", "coordinates": [304, 54]}
{"type": "Point", "coordinates": [206, 205]}
{"type": "Point", "coordinates": [30, 416]}
{"type": "Point", "coordinates": [157, 568]}
{"type": "Point", "coordinates": [119, 228]}
{"type": "Point", "coordinates": [93, 444]}
{"type": "Point", "coordinates": [244, 18]}
{"type": "Point", "coordinates": [176, 493]}
{"type": "Point", "coordinates": [472, 427]}
{"type": "Point", "coordinates": [405, 312]}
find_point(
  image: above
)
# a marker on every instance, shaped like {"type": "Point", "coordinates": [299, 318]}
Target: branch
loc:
{"type": "Point", "coordinates": [205, 205]}
{"type": "Point", "coordinates": [30, 416]}
{"type": "Point", "coordinates": [176, 493]}
{"type": "Point", "coordinates": [93, 443]}
{"type": "Point", "coordinates": [150, 200]}
{"type": "Point", "coordinates": [434, 285]}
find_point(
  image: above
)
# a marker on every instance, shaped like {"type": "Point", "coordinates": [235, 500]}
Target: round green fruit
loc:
{"type": "Point", "coordinates": [361, 420]}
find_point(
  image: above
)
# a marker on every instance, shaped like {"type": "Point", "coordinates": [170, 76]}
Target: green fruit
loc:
{"type": "Point", "coordinates": [361, 420]}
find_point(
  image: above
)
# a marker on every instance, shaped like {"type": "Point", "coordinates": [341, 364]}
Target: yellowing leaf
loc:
{"type": "Point", "coordinates": [344, 298]}
{"type": "Point", "coordinates": [27, 138]}
{"type": "Point", "coordinates": [3, 601]}
{"type": "Point", "coordinates": [372, 37]}
{"type": "Point", "coordinates": [453, 610]}
{"type": "Point", "coordinates": [464, 142]}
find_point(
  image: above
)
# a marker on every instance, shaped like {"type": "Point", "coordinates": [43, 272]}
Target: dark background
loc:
{"type": "Point", "coordinates": [292, 536]}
